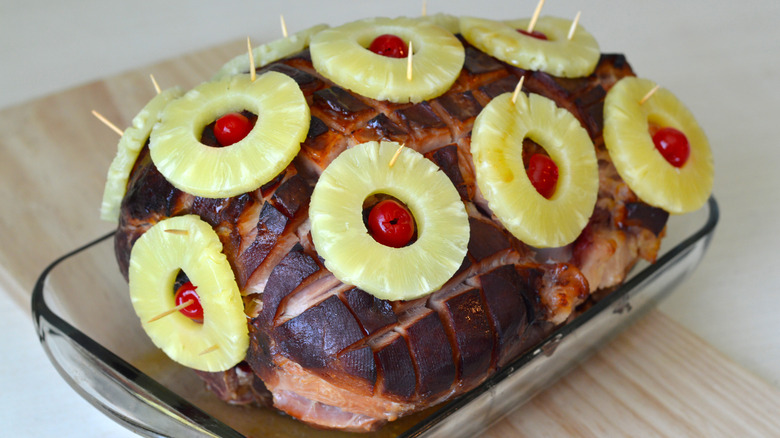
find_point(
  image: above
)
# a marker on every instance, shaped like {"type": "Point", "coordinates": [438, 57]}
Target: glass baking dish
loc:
{"type": "Point", "coordinates": [86, 325]}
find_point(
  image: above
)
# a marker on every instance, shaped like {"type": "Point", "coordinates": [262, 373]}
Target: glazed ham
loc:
{"type": "Point", "coordinates": [334, 356]}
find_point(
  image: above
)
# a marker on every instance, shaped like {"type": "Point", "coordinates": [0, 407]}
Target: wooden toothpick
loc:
{"type": "Point", "coordinates": [537, 11]}
{"type": "Point", "coordinates": [395, 156]}
{"type": "Point", "coordinates": [517, 89]}
{"type": "Point", "coordinates": [171, 311]}
{"type": "Point", "coordinates": [574, 25]}
{"type": "Point", "coordinates": [156, 85]}
{"type": "Point", "coordinates": [409, 62]}
{"type": "Point", "coordinates": [214, 347]}
{"type": "Point", "coordinates": [649, 93]}
{"type": "Point", "coordinates": [107, 123]}
{"type": "Point", "coordinates": [252, 72]}
{"type": "Point", "coordinates": [424, 8]}
{"type": "Point", "coordinates": [284, 25]}
{"type": "Point", "coordinates": [175, 231]}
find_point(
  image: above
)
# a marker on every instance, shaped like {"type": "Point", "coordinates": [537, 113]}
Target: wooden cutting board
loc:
{"type": "Point", "coordinates": [654, 379]}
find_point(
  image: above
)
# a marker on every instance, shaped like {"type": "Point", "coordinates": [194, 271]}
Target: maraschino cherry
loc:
{"type": "Point", "coordinates": [389, 45]}
{"type": "Point", "coordinates": [185, 293]}
{"type": "Point", "coordinates": [391, 224]}
{"type": "Point", "coordinates": [543, 173]}
{"type": "Point", "coordinates": [673, 145]}
{"type": "Point", "coordinates": [231, 128]}
{"type": "Point", "coordinates": [533, 34]}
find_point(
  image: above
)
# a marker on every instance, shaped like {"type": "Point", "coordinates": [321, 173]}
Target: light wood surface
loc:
{"type": "Point", "coordinates": [655, 379]}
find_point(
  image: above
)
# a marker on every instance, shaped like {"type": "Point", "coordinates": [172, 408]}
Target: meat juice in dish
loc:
{"type": "Point", "coordinates": [356, 234]}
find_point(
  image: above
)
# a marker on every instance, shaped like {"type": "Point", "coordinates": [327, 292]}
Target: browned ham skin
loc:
{"type": "Point", "coordinates": [336, 357]}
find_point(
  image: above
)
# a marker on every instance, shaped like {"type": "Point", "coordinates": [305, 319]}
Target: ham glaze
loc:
{"type": "Point", "coordinates": [334, 356]}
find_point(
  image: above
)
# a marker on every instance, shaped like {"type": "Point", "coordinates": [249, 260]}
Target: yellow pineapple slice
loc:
{"type": "Point", "coordinates": [222, 339]}
{"type": "Point", "coordinates": [131, 143]}
{"type": "Point", "coordinates": [557, 55]}
{"type": "Point", "coordinates": [447, 21]}
{"type": "Point", "coordinates": [496, 145]}
{"type": "Point", "coordinates": [341, 55]}
{"type": "Point", "coordinates": [627, 138]}
{"type": "Point", "coordinates": [191, 166]}
{"type": "Point", "coordinates": [270, 52]}
{"type": "Point", "coordinates": [354, 257]}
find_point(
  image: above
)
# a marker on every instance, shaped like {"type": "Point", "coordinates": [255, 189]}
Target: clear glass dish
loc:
{"type": "Point", "coordinates": [86, 325]}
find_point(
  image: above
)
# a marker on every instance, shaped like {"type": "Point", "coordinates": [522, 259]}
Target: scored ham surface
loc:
{"type": "Point", "coordinates": [336, 357]}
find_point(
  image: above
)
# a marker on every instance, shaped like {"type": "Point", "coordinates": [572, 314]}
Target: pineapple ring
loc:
{"type": "Point", "coordinates": [340, 55]}
{"type": "Point", "coordinates": [130, 145]}
{"type": "Point", "coordinates": [191, 166]}
{"type": "Point", "coordinates": [447, 21]}
{"type": "Point", "coordinates": [270, 52]}
{"type": "Point", "coordinates": [627, 138]}
{"type": "Point", "coordinates": [354, 257]}
{"type": "Point", "coordinates": [155, 261]}
{"type": "Point", "coordinates": [557, 56]}
{"type": "Point", "coordinates": [498, 132]}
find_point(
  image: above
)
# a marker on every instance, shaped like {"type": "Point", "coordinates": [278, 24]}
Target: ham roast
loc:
{"type": "Point", "coordinates": [334, 356]}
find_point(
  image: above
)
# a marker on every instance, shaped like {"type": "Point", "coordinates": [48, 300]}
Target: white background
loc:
{"type": "Point", "coordinates": [721, 58]}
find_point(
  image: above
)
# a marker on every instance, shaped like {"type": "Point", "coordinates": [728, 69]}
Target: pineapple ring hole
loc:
{"type": "Point", "coordinates": [656, 121]}
{"type": "Point", "coordinates": [372, 200]}
{"type": "Point", "coordinates": [532, 144]}
{"type": "Point", "coordinates": [208, 138]}
{"type": "Point", "coordinates": [531, 148]}
{"type": "Point", "coordinates": [175, 279]}
{"type": "Point", "coordinates": [367, 37]}
{"type": "Point", "coordinates": [542, 174]}
{"type": "Point", "coordinates": [541, 36]}
{"type": "Point", "coordinates": [180, 278]}
{"type": "Point", "coordinates": [365, 40]}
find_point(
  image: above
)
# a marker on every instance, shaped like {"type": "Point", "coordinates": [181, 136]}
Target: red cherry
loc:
{"type": "Point", "coordinates": [391, 224]}
{"type": "Point", "coordinates": [533, 34]}
{"type": "Point", "coordinates": [389, 45]}
{"type": "Point", "coordinates": [673, 145]}
{"type": "Point", "coordinates": [185, 293]}
{"type": "Point", "coordinates": [231, 128]}
{"type": "Point", "coordinates": [543, 174]}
